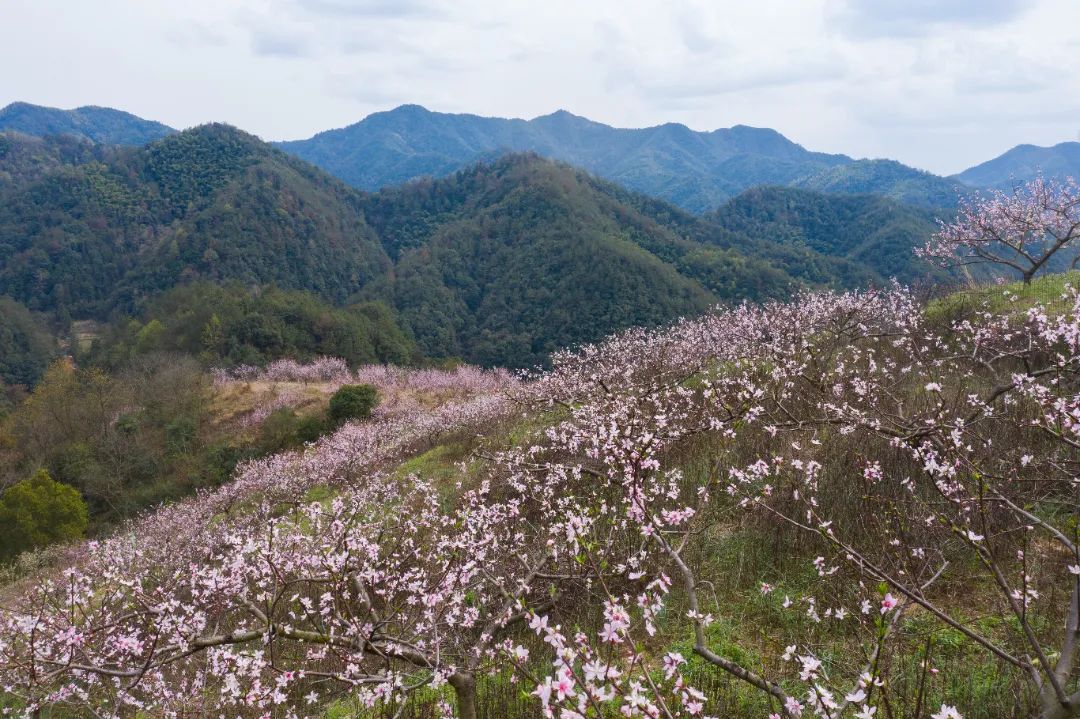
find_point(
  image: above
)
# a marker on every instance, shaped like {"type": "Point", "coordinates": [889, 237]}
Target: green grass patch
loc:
{"type": "Point", "coordinates": [1012, 298]}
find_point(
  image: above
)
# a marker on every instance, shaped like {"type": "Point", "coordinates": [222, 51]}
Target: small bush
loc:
{"type": "Point", "coordinates": [39, 511]}
{"type": "Point", "coordinates": [353, 401]}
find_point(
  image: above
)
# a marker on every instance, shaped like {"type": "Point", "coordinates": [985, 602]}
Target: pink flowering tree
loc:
{"type": "Point", "coordinates": [375, 593]}
{"type": "Point", "coordinates": [259, 596]}
{"type": "Point", "coordinates": [1022, 230]}
{"type": "Point", "coordinates": [900, 463]}
{"type": "Point", "coordinates": [908, 453]}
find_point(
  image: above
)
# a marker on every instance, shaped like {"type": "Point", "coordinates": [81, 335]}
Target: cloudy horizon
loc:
{"type": "Point", "coordinates": [938, 85]}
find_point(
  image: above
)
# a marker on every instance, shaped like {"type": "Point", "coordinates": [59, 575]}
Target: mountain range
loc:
{"type": "Point", "coordinates": [97, 124]}
{"type": "Point", "coordinates": [696, 171]}
{"type": "Point", "coordinates": [1023, 163]}
{"type": "Point", "coordinates": [499, 263]}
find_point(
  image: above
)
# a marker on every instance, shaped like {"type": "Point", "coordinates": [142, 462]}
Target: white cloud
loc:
{"type": "Point", "coordinates": [865, 19]}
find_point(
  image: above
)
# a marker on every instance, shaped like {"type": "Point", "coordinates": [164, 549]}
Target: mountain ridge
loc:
{"type": "Point", "coordinates": [496, 264]}
{"type": "Point", "coordinates": [92, 122]}
{"type": "Point", "coordinates": [669, 160]}
{"type": "Point", "coordinates": [1022, 163]}
{"type": "Point", "coordinates": [696, 170]}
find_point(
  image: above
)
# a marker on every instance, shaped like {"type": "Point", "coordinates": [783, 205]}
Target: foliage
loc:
{"type": "Point", "coordinates": [97, 124]}
{"type": "Point", "coordinates": [235, 325]}
{"type": "Point", "coordinates": [39, 511]}
{"type": "Point", "coordinates": [894, 463]}
{"type": "Point", "coordinates": [26, 347]}
{"type": "Point", "coordinates": [352, 401]}
{"type": "Point", "coordinates": [125, 441]}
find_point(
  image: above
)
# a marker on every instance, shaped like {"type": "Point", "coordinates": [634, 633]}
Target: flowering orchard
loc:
{"type": "Point", "coordinates": [912, 456]}
{"type": "Point", "coordinates": [906, 462]}
{"type": "Point", "coordinates": [287, 384]}
{"type": "Point", "coordinates": [916, 478]}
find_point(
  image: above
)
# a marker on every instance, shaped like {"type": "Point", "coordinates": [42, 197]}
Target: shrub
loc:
{"type": "Point", "coordinates": [39, 511]}
{"type": "Point", "coordinates": [353, 401]}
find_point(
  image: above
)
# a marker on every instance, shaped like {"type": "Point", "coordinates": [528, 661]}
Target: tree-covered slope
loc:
{"type": "Point", "coordinates": [97, 124]}
{"type": "Point", "coordinates": [504, 263]}
{"type": "Point", "coordinates": [500, 263]}
{"type": "Point", "coordinates": [886, 178]}
{"type": "Point", "coordinates": [526, 242]}
{"type": "Point", "coordinates": [87, 237]}
{"type": "Point", "coordinates": [26, 345]}
{"type": "Point", "coordinates": [26, 157]}
{"type": "Point", "coordinates": [873, 232]}
{"type": "Point", "coordinates": [695, 170]}
{"type": "Point", "coordinates": [1023, 163]}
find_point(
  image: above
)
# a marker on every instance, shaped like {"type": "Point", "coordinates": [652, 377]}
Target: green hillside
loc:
{"type": "Point", "coordinates": [871, 231]}
{"type": "Point", "coordinates": [889, 179]}
{"type": "Point", "coordinates": [214, 203]}
{"type": "Point", "coordinates": [500, 263]}
{"type": "Point", "coordinates": [96, 124]}
{"type": "Point", "coordinates": [1023, 163]}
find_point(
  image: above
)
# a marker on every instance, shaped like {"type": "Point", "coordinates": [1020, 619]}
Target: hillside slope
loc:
{"type": "Point", "coordinates": [871, 231]}
{"type": "Point", "coordinates": [695, 170]}
{"type": "Point", "coordinates": [1023, 163]}
{"type": "Point", "coordinates": [97, 124]}
{"type": "Point", "coordinates": [501, 263]}
{"type": "Point", "coordinates": [887, 178]}
{"type": "Point", "coordinates": [122, 224]}
{"type": "Point", "coordinates": [524, 243]}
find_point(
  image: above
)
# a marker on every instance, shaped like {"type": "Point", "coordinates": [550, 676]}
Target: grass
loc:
{"type": "Point", "coordinates": [1012, 298]}
{"type": "Point", "coordinates": [236, 400]}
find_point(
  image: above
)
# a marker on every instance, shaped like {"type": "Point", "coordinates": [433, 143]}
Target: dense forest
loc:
{"type": "Point", "coordinates": [97, 124]}
{"type": "Point", "coordinates": [497, 264]}
{"type": "Point", "coordinates": [696, 171]}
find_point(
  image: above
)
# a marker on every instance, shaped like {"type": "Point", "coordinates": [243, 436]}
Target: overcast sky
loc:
{"type": "Point", "coordinates": [939, 84]}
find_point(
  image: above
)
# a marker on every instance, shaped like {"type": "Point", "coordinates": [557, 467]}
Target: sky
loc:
{"type": "Point", "coordinates": [938, 84]}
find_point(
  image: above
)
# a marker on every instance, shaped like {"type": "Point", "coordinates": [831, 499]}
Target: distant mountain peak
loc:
{"type": "Point", "coordinates": [695, 170]}
{"type": "Point", "coordinates": [409, 109]}
{"type": "Point", "coordinates": [95, 123]}
{"type": "Point", "coordinates": [1023, 163]}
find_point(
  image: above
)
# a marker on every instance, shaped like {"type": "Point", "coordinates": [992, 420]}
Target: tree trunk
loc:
{"type": "Point", "coordinates": [465, 690]}
{"type": "Point", "coordinates": [1058, 711]}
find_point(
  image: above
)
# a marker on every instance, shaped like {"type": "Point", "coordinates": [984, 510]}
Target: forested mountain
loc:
{"type": "Point", "coordinates": [887, 178]}
{"type": "Point", "coordinates": [694, 170]}
{"type": "Point", "coordinates": [102, 233]}
{"type": "Point", "coordinates": [1024, 162]}
{"type": "Point", "coordinates": [525, 242]}
{"type": "Point", "coordinates": [500, 263]}
{"type": "Point", "coordinates": [97, 124]}
{"type": "Point", "coordinates": [489, 255]}
{"type": "Point", "coordinates": [871, 231]}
